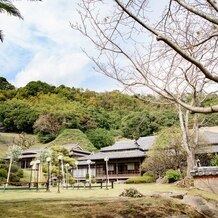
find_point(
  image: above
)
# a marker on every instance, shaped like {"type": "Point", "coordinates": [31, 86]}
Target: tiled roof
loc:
{"type": "Point", "coordinates": [84, 162]}
{"type": "Point", "coordinates": [146, 142]}
{"type": "Point", "coordinates": [207, 149]}
{"type": "Point", "coordinates": [115, 155]}
{"type": "Point", "coordinates": [143, 143]}
{"type": "Point", "coordinates": [33, 151]}
{"type": "Point", "coordinates": [202, 171]}
{"type": "Point", "coordinates": [209, 137]}
{"type": "Point", "coordinates": [72, 146]}
{"type": "Point", "coordinates": [121, 145]}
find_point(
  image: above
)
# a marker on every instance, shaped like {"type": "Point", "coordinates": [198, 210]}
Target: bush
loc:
{"type": "Point", "coordinates": [173, 175]}
{"type": "Point", "coordinates": [20, 173]}
{"type": "Point", "coordinates": [45, 137]}
{"type": "Point", "coordinates": [14, 177]}
{"type": "Point", "coordinates": [71, 180]}
{"type": "Point", "coordinates": [3, 173]}
{"type": "Point", "coordinates": [131, 192]}
{"type": "Point", "coordinates": [140, 179]}
{"type": "Point", "coordinates": [151, 174]}
{"type": "Point", "coordinates": [214, 161]}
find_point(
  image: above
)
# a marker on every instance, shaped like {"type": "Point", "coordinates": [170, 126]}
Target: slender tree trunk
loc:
{"type": "Point", "coordinates": [62, 172]}
{"type": "Point", "coordinates": [9, 172]}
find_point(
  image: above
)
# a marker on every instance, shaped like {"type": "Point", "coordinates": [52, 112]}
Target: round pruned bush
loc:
{"type": "Point", "coordinates": [132, 193]}
{"type": "Point", "coordinates": [173, 175]}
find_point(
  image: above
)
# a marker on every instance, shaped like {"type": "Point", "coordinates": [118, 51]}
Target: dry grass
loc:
{"type": "Point", "coordinates": [144, 207]}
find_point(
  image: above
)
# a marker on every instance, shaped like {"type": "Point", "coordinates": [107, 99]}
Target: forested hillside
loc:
{"type": "Point", "coordinates": [47, 110]}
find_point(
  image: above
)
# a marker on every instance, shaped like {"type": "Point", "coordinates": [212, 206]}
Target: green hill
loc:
{"type": "Point", "coordinates": [73, 136]}
{"type": "Point", "coordinates": [68, 136]}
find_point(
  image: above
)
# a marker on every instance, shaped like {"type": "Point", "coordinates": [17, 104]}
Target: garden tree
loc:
{"type": "Point", "coordinates": [17, 116]}
{"type": "Point", "coordinates": [5, 85]}
{"type": "Point", "coordinates": [100, 137]}
{"type": "Point", "coordinates": [175, 56]}
{"type": "Point", "coordinates": [137, 124]}
{"type": "Point", "coordinates": [23, 140]}
{"type": "Point", "coordinates": [57, 150]}
{"type": "Point", "coordinates": [48, 126]}
{"type": "Point", "coordinates": [167, 152]}
{"type": "Point", "coordinates": [8, 7]}
{"type": "Point", "coordinates": [14, 151]}
{"type": "Point", "coordinates": [15, 174]}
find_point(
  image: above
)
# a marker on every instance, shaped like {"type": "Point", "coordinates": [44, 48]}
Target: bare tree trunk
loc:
{"type": "Point", "coordinates": [183, 119]}
{"type": "Point", "coordinates": [190, 162]}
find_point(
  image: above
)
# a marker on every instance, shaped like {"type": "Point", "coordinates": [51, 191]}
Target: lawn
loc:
{"type": "Point", "coordinates": [96, 202]}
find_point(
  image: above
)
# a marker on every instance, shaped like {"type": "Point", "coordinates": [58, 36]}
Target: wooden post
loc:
{"type": "Point", "coordinates": [112, 184]}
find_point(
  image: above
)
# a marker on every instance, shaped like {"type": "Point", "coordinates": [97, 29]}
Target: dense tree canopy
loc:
{"type": "Point", "coordinates": [100, 137]}
{"type": "Point", "coordinates": [5, 85]}
{"type": "Point", "coordinates": [72, 108]}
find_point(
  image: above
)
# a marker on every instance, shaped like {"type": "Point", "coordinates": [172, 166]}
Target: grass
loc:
{"type": "Point", "coordinates": [102, 194]}
{"type": "Point", "coordinates": [93, 203]}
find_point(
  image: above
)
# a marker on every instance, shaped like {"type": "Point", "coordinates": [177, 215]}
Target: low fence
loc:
{"type": "Point", "coordinates": [23, 185]}
{"type": "Point", "coordinates": [44, 185]}
{"type": "Point", "coordinates": [99, 184]}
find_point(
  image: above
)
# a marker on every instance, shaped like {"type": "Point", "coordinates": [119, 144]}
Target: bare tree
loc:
{"type": "Point", "coordinates": [165, 55]}
{"type": "Point", "coordinates": [175, 56]}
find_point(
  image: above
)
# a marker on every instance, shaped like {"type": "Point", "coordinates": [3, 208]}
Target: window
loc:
{"type": "Point", "coordinates": [111, 167]}
{"type": "Point", "coordinates": [130, 166]}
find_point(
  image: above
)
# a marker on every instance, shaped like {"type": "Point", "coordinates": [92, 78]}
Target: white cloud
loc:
{"type": "Point", "coordinates": [53, 48]}
{"type": "Point", "coordinates": [54, 69]}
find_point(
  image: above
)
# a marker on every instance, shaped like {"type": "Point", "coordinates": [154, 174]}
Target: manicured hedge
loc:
{"type": "Point", "coordinates": [140, 179]}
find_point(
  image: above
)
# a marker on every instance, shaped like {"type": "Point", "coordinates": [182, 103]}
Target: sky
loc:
{"type": "Point", "coordinates": [44, 47]}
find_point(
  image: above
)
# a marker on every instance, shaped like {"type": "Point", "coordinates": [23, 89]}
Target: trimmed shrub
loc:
{"type": "Point", "coordinates": [71, 180]}
{"type": "Point", "coordinates": [3, 173]}
{"type": "Point", "coordinates": [20, 173]}
{"type": "Point", "coordinates": [140, 179]}
{"type": "Point", "coordinates": [173, 175]}
{"type": "Point", "coordinates": [151, 174]}
{"type": "Point", "coordinates": [131, 192]}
